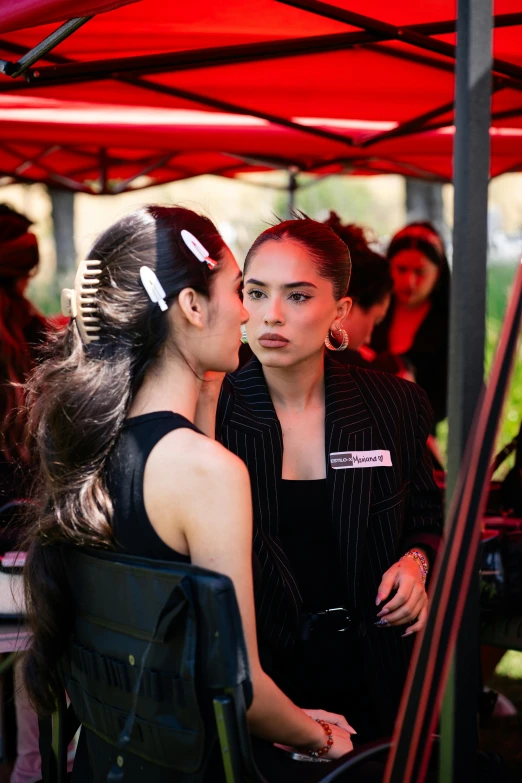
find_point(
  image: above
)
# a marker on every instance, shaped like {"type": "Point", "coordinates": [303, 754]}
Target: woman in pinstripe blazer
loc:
{"type": "Point", "coordinates": [298, 418]}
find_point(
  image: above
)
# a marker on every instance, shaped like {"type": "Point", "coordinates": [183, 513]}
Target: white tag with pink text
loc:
{"type": "Point", "coordinates": [340, 460]}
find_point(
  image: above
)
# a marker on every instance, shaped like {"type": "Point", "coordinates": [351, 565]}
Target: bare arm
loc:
{"type": "Point", "coordinates": [213, 516]}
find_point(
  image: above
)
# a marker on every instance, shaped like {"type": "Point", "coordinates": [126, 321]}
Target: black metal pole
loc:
{"type": "Point", "coordinates": [466, 355]}
{"type": "Point", "coordinates": [292, 188]}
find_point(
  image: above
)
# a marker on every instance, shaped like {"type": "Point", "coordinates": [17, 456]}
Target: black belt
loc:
{"type": "Point", "coordinates": [327, 623]}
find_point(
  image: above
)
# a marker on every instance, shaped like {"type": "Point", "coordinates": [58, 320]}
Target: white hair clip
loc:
{"type": "Point", "coordinates": [197, 248]}
{"type": "Point", "coordinates": [153, 287]}
{"type": "Point", "coordinates": [80, 302]}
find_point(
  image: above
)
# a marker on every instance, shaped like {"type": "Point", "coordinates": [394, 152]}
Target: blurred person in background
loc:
{"type": "Point", "coordinates": [22, 334]}
{"type": "Point", "coordinates": [416, 327]}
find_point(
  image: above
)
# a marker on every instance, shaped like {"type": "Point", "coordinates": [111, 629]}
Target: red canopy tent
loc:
{"type": "Point", "coordinates": [291, 66]}
{"type": "Point", "coordinates": [109, 149]}
{"type": "Point", "coordinates": [302, 65]}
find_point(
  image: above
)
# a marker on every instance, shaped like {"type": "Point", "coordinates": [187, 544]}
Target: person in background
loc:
{"type": "Point", "coordinates": [371, 286]}
{"type": "Point", "coordinates": [416, 326]}
{"type": "Point", "coordinates": [22, 335]}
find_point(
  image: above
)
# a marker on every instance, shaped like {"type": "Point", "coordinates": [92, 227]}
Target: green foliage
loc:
{"type": "Point", "coordinates": [510, 665]}
{"type": "Point", "coordinates": [500, 279]}
{"type": "Point", "coordinates": [46, 297]}
{"type": "Point", "coordinates": [350, 198]}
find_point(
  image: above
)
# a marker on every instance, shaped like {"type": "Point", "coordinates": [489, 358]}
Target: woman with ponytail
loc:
{"type": "Point", "coordinates": [122, 465]}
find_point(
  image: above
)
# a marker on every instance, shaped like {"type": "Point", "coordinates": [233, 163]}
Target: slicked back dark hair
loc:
{"type": "Point", "coordinates": [328, 254]}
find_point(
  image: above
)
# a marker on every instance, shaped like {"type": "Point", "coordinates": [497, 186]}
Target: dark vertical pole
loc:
{"type": "Point", "coordinates": [292, 188]}
{"type": "Point", "coordinates": [63, 227]}
{"type": "Point", "coordinates": [467, 335]}
{"type": "Point", "coordinates": [424, 202]}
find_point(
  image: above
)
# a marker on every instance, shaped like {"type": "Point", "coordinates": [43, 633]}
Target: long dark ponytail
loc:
{"type": "Point", "coordinates": [78, 399]}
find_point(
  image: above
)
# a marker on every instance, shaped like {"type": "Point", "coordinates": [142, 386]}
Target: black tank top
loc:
{"type": "Point", "coordinates": [132, 528]}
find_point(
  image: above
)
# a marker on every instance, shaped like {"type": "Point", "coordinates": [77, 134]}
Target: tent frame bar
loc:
{"type": "Point", "coordinates": [398, 33]}
{"type": "Point", "coordinates": [373, 32]}
{"type": "Point", "coordinates": [40, 50]}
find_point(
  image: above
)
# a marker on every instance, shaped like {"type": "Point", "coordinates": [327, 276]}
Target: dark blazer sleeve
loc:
{"type": "Point", "coordinates": [423, 523]}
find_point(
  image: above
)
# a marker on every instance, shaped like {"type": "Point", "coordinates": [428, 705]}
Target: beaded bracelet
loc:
{"type": "Point", "coordinates": [329, 742]}
{"type": "Point", "coordinates": [421, 561]}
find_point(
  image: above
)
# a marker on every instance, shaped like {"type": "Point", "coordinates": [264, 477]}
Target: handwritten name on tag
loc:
{"type": "Point", "coordinates": [341, 460]}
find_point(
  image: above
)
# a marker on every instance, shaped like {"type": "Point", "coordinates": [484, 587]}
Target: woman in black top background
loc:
{"type": "Point", "coordinates": [416, 327]}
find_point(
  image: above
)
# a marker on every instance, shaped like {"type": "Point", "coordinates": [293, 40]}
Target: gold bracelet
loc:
{"type": "Point", "coordinates": [421, 561]}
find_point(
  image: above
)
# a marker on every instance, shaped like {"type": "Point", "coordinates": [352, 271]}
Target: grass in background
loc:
{"type": "Point", "coordinates": [500, 279]}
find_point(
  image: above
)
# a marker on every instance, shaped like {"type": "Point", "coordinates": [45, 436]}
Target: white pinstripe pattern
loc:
{"type": "Point", "coordinates": [377, 513]}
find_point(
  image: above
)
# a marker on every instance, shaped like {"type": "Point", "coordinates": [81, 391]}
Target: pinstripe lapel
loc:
{"type": "Point", "coordinates": [252, 430]}
{"type": "Point", "coordinates": [348, 427]}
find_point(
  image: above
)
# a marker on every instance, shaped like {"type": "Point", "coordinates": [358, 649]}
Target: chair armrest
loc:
{"type": "Point", "coordinates": [357, 757]}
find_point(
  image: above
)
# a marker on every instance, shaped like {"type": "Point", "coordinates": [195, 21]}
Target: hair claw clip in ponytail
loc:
{"type": "Point", "coordinates": [80, 302]}
{"type": "Point", "coordinates": [153, 287]}
{"type": "Point", "coordinates": [195, 246]}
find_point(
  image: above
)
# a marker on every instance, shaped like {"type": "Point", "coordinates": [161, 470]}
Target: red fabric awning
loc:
{"type": "Point", "coordinates": [298, 71]}
{"type": "Point", "coordinates": [17, 14]}
{"type": "Point", "coordinates": [109, 149]}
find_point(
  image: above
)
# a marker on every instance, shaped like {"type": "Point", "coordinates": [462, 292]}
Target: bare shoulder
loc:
{"type": "Point", "coordinates": [193, 457]}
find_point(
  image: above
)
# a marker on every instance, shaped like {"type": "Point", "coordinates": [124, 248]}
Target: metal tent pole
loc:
{"type": "Point", "coordinates": [466, 353]}
{"type": "Point", "coordinates": [292, 188]}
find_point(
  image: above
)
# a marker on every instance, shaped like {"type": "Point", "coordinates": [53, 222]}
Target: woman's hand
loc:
{"type": "Point", "coordinates": [410, 604]}
{"type": "Point", "coordinates": [332, 718]}
{"type": "Point", "coordinates": [341, 735]}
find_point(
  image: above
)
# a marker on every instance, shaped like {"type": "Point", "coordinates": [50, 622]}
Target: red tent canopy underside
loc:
{"type": "Point", "coordinates": [387, 82]}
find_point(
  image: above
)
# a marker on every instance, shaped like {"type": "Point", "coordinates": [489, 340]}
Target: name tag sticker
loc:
{"type": "Point", "coordinates": [341, 460]}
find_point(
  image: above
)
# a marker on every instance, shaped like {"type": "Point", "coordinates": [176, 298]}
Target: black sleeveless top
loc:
{"type": "Point", "coordinates": [132, 528]}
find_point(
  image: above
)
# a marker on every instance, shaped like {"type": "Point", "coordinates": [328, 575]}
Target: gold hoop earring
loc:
{"type": "Point", "coordinates": [343, 335]}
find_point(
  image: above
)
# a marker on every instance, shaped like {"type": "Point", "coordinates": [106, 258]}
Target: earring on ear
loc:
{"type": "Point", "coordinates": [340, 334]}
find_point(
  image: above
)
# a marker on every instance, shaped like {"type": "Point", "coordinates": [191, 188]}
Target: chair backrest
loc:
{"type": "Point", "coordinates": [156, 669]}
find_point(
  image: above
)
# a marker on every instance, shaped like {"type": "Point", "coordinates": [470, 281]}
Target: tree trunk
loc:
{"type": "Point", "coordinates": [63, 229]}
{"type": "Point", "coordinates": [424, 202]}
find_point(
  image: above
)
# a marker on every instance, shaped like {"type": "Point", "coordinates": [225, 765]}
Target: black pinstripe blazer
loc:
{"type": "Point", "coordinates": [377, 513]}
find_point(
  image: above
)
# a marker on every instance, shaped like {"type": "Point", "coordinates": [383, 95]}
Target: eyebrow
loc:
{"type": "Point", "coordinates": [298, 284]}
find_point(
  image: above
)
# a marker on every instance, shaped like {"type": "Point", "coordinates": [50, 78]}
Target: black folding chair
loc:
{"type": "Point", "coordinates": [157, 674]}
